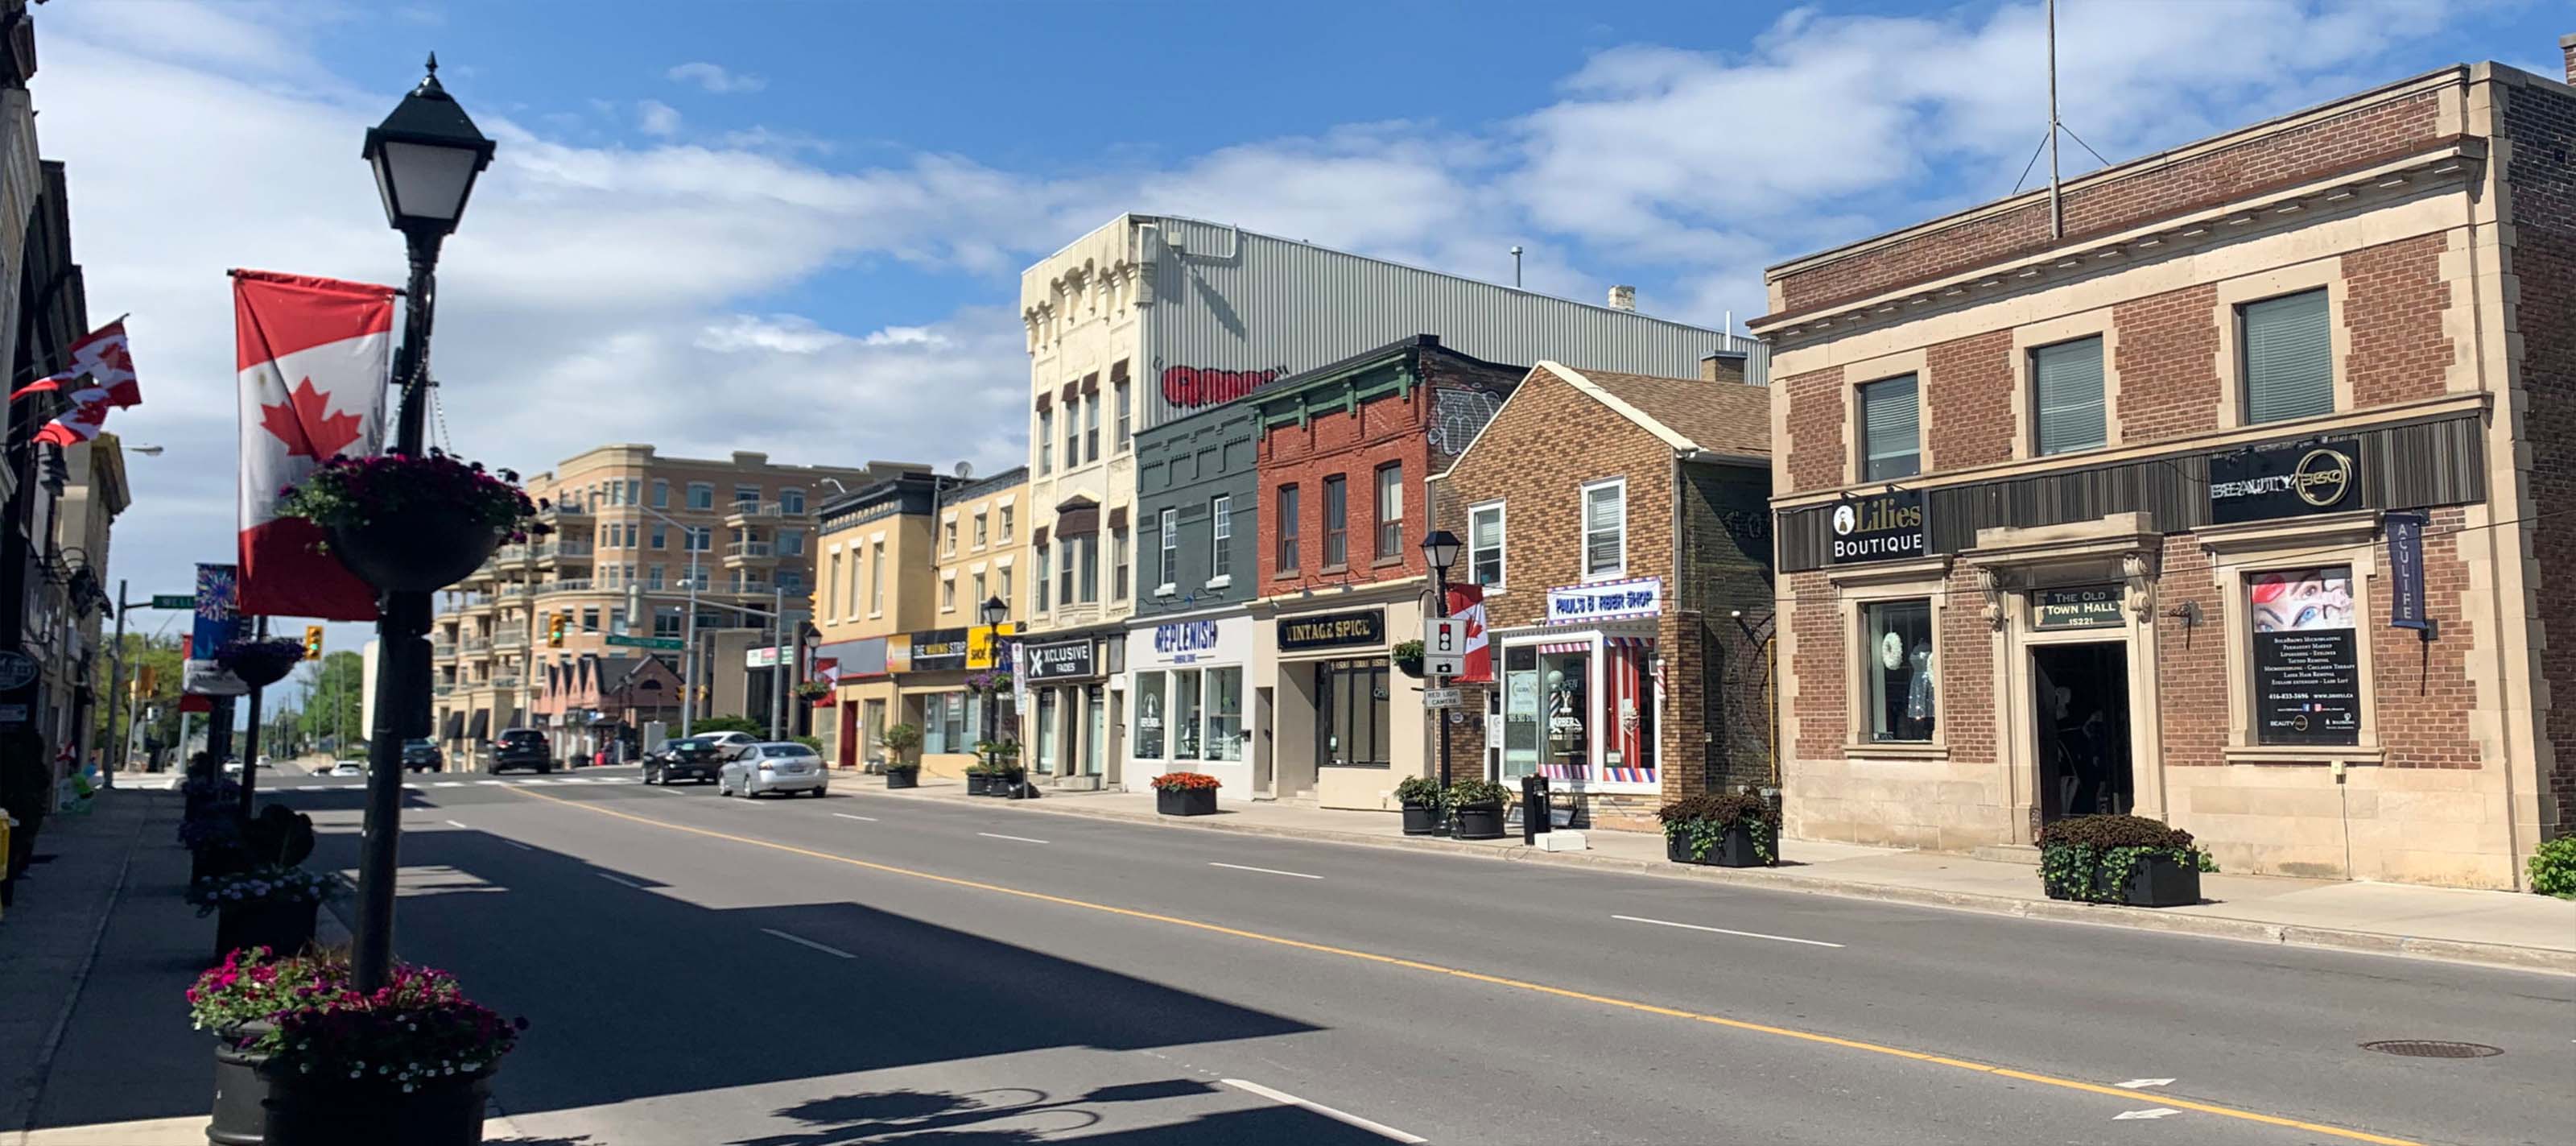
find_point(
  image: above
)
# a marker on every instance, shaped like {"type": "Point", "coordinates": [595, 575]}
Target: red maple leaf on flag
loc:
{"type": "Point", "coordinates": [307, 425]}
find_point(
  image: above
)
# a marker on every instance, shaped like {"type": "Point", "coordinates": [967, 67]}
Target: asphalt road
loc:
{"type": "Point", "coordinates": [870, 968]}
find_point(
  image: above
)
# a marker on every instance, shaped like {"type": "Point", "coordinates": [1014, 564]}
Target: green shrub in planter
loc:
{"type": "Point", "coordinates": [1478, 806]}
{"type": "Point", "coordinates": [2095, 859]}
{"type": "Point", "coordinates": [1407, 656]}
{"type": "Point", "coordinates": [2553, 868]}
{"type": "Point", "coordinates": [1694, 826]}
{"type": "Point", "coordinates": [1420, 798]}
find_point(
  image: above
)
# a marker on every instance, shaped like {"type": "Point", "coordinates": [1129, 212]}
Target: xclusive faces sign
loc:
{"type": "Point", "coordinates": [1879, 527]}
{"type": "Point", "coordinates": [1062, 660]}
{"type": "Point", "coordinates": [2266, 482]}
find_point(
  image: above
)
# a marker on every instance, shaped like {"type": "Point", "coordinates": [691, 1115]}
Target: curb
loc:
{"type": "Point", "coordinates": [2504, 955]}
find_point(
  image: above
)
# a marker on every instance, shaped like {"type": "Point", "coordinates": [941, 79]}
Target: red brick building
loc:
{"type": "Point", "coordinates": [2227, 500]}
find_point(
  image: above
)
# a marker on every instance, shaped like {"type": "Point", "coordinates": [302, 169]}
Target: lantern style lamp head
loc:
{"type": "Point", "coordinates": [1441, 549]}
{"type": "Point", "coordinates": [426, 155]}
{"type": "Point", "coordinates": [995, 610]}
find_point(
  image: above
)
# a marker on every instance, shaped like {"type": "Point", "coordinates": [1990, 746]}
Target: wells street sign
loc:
{"type": "Point", "coordinates": [173, 601]}
{"type": "Point", "coordinates": [665, 644]}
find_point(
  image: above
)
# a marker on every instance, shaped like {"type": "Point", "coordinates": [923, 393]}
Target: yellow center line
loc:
{"type": "Point", "coordinates": [1515, 984]}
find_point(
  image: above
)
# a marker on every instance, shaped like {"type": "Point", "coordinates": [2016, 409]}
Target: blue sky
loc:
{"type": "Point", "coordinates": [798, 227]}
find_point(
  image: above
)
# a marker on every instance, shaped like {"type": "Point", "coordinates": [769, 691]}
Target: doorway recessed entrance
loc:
{"type": "Point", "coordinates": [2080, 703]}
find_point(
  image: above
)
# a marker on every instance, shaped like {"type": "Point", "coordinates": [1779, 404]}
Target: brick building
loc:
{"type": "Point", "coordinates": [1344, 455]}
{"type": "Point", "coordinates": [1617, 528]}
{"type": "Point", "coordinates": [2123, 501]}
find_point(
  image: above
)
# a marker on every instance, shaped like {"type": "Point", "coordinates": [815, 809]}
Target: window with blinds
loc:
{"type": "Point", "coordinates": [2066, 387]}
{"type": "Point", "coordinates": [1485, 545]}
{"type": "Point", "coordinates": [2288, 357]}
{"type": "Point", "coordinates": [1605, 529]}
{"type": "Point", "coordinates": [1891, 430]}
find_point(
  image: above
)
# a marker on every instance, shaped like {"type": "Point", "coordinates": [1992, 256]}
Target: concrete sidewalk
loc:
{"type": "Point", "coordinates": [2507, 929]}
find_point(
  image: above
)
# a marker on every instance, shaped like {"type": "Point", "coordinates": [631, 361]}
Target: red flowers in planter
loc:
{"type": "Point", "coordinates": [1185, 782]}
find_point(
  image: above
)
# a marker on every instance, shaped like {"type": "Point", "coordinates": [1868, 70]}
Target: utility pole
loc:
{"type": "Point", "coordinates": [2056, 202]}
{"type": "Point", "coordinates": [778, 668]}
{"type": "Point", "coordinates": [116, 686]}
{"type": "Point", "coordinates": [250, 738]}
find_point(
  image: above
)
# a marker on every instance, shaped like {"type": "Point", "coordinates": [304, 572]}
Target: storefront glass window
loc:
{"type": "Point", "coordinates": [1520, 712]}
{"type": "Point", "coordinates": [1897, 663]}
{"type": "Point", "coordinates": [1225, 714]}
{"type": "Point", "coordinates": [934, 724]}
{"type": "Point", "coordinates": [2307, 656]}
{"type": "Point", "coordinates": [1351, 714]}
{"type": "Point", "coordinates": [1185, 715]}
{"type": "Point", "coordinates": [1627, 713]}
{"type": "Point", "coordinates": [1564, 677]}
{"type": "Point", "coordinates": [1046, 730]}
{"type": "Point", "coordinates": [1149, 716]}
{"type": "Point", "coordinates": [1096, 719]}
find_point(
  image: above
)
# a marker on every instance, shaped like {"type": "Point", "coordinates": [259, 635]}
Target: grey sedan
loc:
{"type": "Point", "coordinates": [772, 766]}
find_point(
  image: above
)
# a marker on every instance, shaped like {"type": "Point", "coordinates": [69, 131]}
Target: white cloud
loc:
{"type": "Point", "coordinates": [715, 78]}
{"type": "Point", "coordinates": [657, 118]}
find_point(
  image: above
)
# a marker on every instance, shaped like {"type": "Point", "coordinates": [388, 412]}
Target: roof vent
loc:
{"type": "Point", "coordinates": [1623, 298]}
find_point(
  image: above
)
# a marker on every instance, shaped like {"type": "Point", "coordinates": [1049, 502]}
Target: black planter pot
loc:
{"type": "Point", "coordinates": [416, 552]}
{"type": "Point", "coordinates": [308, 1110]}
{"type": "Point", "coordinates": [283, 928]}
{"type": "Point", "coordinates": [1421, 819]}
{"type": "Point", "coordinates": [1480, 821]}
{"type": "Point", "coordinates": [2156, 881]}
{"type": "Point", "coordinates": [215, 860]}
{"type": "Point", "coordinates": [1677, 848]}
{"type": "Point", "coordinates": [904, 778]}
{"type": "Point", "coordinates": [1007, 784]}
{"type": "Point", "coordinates": [978, 784]}
{"type": "Point", "coordinates": [1736, 849]}
{"type": "Point", "coordinates": [241, 1091]}
{"type": "Point", "coordinates": [1185, 801]}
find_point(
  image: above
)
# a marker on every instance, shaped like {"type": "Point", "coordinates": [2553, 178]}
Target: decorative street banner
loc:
{"type": "Point", "coordinates": [312, 358]}
{"type": "Point", "coordinates": [1332, 631]}
{"type": "Point", "coordinates": [218, 623]}
{"type": "Point", "coordinates": [2406, 571]}
{"type": "Point", "coordinates": [2307, 660]}
{"type": "Point", "coordinates": [2078, 607]}
{"type": "Point", "coordinates": [1467, 603]}
{"type": "Point", "coordinates": [2296, 480]}
{"type": "Point", "coordinates": [1880, 527]}
{"type": "Point", "coordinates": [1606, 601]}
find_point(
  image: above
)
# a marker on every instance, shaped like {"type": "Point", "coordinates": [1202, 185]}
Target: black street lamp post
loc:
{"type": "Point", "coordinates": [426, 156]}
{"type": "Point", "coordinates": [994, 612]}
{"type": "Point", "coordinates": [1440, 549]}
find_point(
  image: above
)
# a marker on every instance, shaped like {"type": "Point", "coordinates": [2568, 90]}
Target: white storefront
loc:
{"type": "Point", "coordinates": [1583, 693]}
{"type": "Point", "coordinates": [1186, 688]}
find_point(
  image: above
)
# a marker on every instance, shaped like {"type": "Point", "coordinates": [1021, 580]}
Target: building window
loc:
{"type": "Point", "coordinates": [979, 593]}
{"type": "Point", "coordinates": [1351, 717]}
{"type": "Point", "coordinates": [746, 495]}
{"type": "Point", "coordinates": [1288, 529]}
{"type": "Point", "coordinates": [948, 593]}
{"type": "Point", "coordinates": [948, 536]}
{"type": "Point", "coordinates": [2066, 386]}
{"type": "Point", "coordinates": [1485, 545]}
{"type": "Point", "coordinates": [1072, 547]}
{"type": "Point", "coordinates": [1186, 716]}
{"type": "Point", "coordinates": [698, 539]}
{"type": "Point", "coordinates": [590, 619]}
{"type": "Point", "coordinates": [791, 543]}
{"type": "Point", "coordinates": [1046, 441]}
{"type": "Point", "coordinates": [1221, 543]}
{"type": "Point", "coordinates": [1006, 515]}
{"type": "Point", "coordinates": [983, 532]}
{"type": "Point", "coordinates": [791, 501]}
{"type": "Point", "coordinates": [1118, 565]}
{"type": "Point", "coordinates": [653, 577]}
{"type": "Point", "coordinates": [1891, 440]}
{"type": "Point", "coordinates": [1007, 599]}
{"type": "Point", "coordinates": [1091, 429]}
{"type": "Point", "coordinates": [661, 536]}
{"type": "Point", "coordinates": [1149, 715]}
{"type": "Point", "coordinates": [876, 579]}
{"type": "Point", "coordinates": [1072, 432]}
{"type": "Point", "coordinates": [1605, 529]}
{"type": "Point", "coordinates": [1167, 567]}
{"type": "Point", "coordinates": [2288, 357]}
{"type": "Point", "coordinates": [1390, 511]}
{"type": "Point", "coordinates": [1224, 714]}
{"type": "Point", "coordinates": [1896, 660]}
{"type": "Point", "coordinates": [1040, 582]}
{"type": "Point", "coordinates": [2307, 656]}
{"type": "Point", "coordinates": [1088, 546]}
{"type": "Point", "coordinates": [661, 494]}
{"type": "Point", "coordinates": [635, 491]}
{"type": "Point", "coordinates": [1337, 521]}
{"type": "Point", "coordinates": [702, 495]}
{"type": "Point", "coordinates": [1125, 439]}
{"type": "Point", "coordinates": [791, 583]}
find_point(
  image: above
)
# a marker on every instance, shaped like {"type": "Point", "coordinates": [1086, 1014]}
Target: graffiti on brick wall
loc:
{"type": "Point", "coordinates": [1457, 416]}
{"type": "Point", "coordinates": [1190, 387]}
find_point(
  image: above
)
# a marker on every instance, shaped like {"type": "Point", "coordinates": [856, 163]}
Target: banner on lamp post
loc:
{"type": "Point", "coordinates": [218, 623]}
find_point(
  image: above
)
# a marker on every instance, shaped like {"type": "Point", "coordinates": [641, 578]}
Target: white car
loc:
{"type": "Point", "coordinates": [347, 768]}
{"type": "Point", "coordinates": [773, 766]}
{"type": "Point", "coordinates": [729, 744]}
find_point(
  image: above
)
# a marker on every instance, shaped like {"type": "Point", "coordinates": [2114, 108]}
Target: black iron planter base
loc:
{"type": "Point", "coordinates": [905, 778]}
{"type": "Point", "coordinates": [1185, 801]}
{"type": "Point", "coordinates": [1421, 819]}
{"type": "Point", "coordinates": [1480, 822]}
{"type": "Point", "coordinates": [2156, 881]}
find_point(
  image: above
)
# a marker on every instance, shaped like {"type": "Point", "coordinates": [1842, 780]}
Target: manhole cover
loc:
{"type": "Point", "coordinates": [2428, 1048]}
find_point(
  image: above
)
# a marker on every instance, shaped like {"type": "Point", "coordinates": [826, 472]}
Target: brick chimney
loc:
{"type": "Point", "coordinates": [1722, 366]}
{"type": "Point", "coordinates": [2567, 55]}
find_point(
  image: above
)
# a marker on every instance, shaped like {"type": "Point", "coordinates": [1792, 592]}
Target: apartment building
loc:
{"type": "Point", "coordinates": [2219, 488]}
{"type": "Point", "coordinates": [1150, 318]}
{"type": "Point", "coordinates": [633, 530]}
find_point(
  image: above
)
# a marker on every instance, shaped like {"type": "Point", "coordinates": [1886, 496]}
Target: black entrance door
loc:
{"type": "Point", "coordinates": [2081, 710]}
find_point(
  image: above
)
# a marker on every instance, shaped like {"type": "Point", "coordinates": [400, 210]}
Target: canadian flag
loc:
{"type": "Point", "coordinates": [313, 357]}
{"type": "Point", "coordinates": [102, 379]}
{"type": "Point", "coordinates": [1467, 603]}
{"type": "Point", "coordinates": [828, 671]}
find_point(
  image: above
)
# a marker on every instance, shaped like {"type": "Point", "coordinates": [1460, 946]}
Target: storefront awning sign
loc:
{"type": "Point", "coordinates": [1886, 526]}
{"type": "Point", "coordinates": [1606, 601]}
{"type": "Point", "coordinates": [1332, 631]}
{"type": "Point", "coordinates": [937, 650]}
{"type": "Point", "coordinates": [1061, 660]}
{"type": "Point", "coordinates": [2294, 480]}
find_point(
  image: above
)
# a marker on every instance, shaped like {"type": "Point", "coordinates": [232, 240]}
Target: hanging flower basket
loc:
{"type": "Point", "coordinates": [260, 664]}
{"type": "Point", "coordinates": [1408, 658]}
{"type": "Point", "coordinates": [990, 681]}
{"type": "Point", "coordinates": [813, 690]}
{"type": "Point", "coordinates": [409, 524]}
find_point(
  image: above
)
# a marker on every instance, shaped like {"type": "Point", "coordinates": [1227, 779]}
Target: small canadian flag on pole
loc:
{"type": "Point", "coordinates": [101, 378]}
{"type": "Point", "coordinates": [314, 354]}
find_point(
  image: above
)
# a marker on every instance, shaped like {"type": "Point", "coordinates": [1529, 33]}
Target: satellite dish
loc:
{"type": "Point", "coordinates": [965, 469]}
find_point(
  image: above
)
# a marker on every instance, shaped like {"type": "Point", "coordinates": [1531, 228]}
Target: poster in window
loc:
{"type": "Point", "coordinates": [2307, 661]}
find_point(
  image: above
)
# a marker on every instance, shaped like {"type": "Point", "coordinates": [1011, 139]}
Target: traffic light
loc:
{"type": "Point", "coordinates": [147, 680]}
{"type": "Point", "coordinates": [313, 642]}
{"type": "Point", "coordinates": [555, 630]}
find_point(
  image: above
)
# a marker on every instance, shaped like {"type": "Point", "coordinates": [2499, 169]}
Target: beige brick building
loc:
{"type": "Point", "coordinates": [2131, 514]}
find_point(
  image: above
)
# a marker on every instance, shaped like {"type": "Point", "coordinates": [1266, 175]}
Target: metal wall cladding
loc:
{"type": "Point", "coordinates": [1234, 311]}
{"type": "Point", "coordinates": [2412, 465]}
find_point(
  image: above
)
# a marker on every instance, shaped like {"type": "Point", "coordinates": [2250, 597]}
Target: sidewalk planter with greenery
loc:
{"type": "Point", "coordinates": [408, 523]}
{"type": "Point", "coordinates": [1722, 829]}
{"type": "Point", "coordinates": [266, 906]}
{"type": "Point", "coordinates": [1185, 794]}
{"type": "Point", "coordinates": [979, 779]}
{"type": "Point", "coordinates": [304, 1059]}
{"type": "Point", "coordinates": [1478, 806]}
{"type": "Point", "coordinates": [2121, 859]}
{"type": "Point", "coordinates": [903, 769]}
{"type": "Point", "coordinates": [1420, 797]}
{"type": "Point", "coordinates": [2553, 868]}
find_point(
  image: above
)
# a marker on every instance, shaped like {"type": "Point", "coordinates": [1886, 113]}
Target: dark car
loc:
{"type": "Point", "coordinates": [688, 758]}
{"type": "Point", "coordinates": [519, 748]}
{"type": "Point", "coordinates": [422, 756]}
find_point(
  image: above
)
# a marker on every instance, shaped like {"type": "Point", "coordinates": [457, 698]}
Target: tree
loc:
{"type": "Point", "coordinates": [335, 687]}
{"type": "Point", "coordinates": [713, 724]}
{"type": "Point", "coordinates": [156, 708]}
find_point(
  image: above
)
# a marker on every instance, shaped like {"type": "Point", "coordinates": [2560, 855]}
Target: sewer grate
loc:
{"type": "Point", "coordinates": [2432, 1048]}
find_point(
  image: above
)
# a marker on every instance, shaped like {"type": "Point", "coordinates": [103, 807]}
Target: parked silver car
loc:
{"type": "Point", "coordinates": [773, 766]}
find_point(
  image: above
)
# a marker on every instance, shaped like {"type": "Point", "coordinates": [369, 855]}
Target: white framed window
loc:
{"type": "Point", "coordinates": [661, 494]}
{"type": "Point", "coordinates": [1221, 545]}
{"type": "Point", "coordinates": [1039, 580]}
{"type": "Point", "coordinates": [1167, 567]}
{"type": "Point", "coordinates": [1899, 705]}
{"type": "Point", "coordinates": [1006, 515]}
{"type": "Point", "coordinates": [876, 579]}
{"type": "Point", "coordinates": [2288, 349]}
{"type": "Point", "coordinates": [791, 501]}
{"type": "Point", "coordinates": [948, 593]}
{"type": "Point", "coordinates": [702, 495]}
{"type": "Point", "coordinates": [1891, 429]}
{"type": "Point", "coordinates": [1125, 439]}
{"type": "Point", "coordinates": [1046, 441]}
{"type": "Point", "coordinates": [983, 534]}
{"type": "Point", "coordinates": [1390, 511]}
{"type": "Point", "coordinates": [1605, 529]}
{"type": "Point", "coordinates": [1485, 545]}
{"type": "Point", "coordinates": [2066, 396]}
{"type": "Point", "coordinates": [1073, 432]}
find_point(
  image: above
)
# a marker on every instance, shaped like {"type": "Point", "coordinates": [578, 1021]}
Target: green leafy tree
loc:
{"type": "Point", "coordinates": [154, 710]}
{"type": "Point", "coordinates": [335, 687]}
{"type": "Point", "coordinates": [709, 724]}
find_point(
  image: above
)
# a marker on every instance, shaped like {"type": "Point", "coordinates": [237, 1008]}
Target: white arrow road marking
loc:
{"type": "Point", "coordinates": [1264, 870]}
{"type": "Point", "coordinates": [1284, 1098]}
{"type": "Point", "coordinates": [2154, 1112]}
{"type": "Point", "coordinates": [1724, 931]}
{"type": "Point", "coordinates": [804, 942]}
{"type": "Point", "coordinates": [2136, 1083]}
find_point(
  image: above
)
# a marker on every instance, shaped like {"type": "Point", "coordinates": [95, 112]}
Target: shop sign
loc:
{"type": "Point", "coordinates": [2307, 662]}
{"type": "Point", "coordinates": [1880, 527]}
{"type": "Point", "coordinates": [988, 646]}
{"type": "Point", "coordinates": [1332, 631]}
{"type": "Point", "coordinates": [1207, 641]}
{"type": "Point", "coordinates": [938, 650]}
{"type": "Point", "coordinates": [2406, 573]}
{"type": "Point", "coordinates": [1606, 601]}
{"type": "Point", "coordinates": [17, 670]}
{"type": "Point", "coordinates": [2265, 482]}
{"type": "Point", "coordinates": [1063, 660]}
{"type": "Point", "coordinates": [2077, 607]}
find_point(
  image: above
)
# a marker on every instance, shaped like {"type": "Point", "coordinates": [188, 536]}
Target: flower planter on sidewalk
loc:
{"type": "Point", "coordinates": [2156, 881]}
{"type": "Point", "coordinates": [1422, 819]}
{"type": "Point", "coordinates": [1185, 801]}
{"type": "Point", "coordinates": [903, 777]}
{"type": "Point", "coordinates": [2129, 860]}
{"type": "Point", "coordinates": [978, 784]}
{"type": "Point", "coordinates": [1480, 821]}
{"type": "Point", "coordinates": [309, 1110]}
{"type": "Point", "coordinates": [284, 927]}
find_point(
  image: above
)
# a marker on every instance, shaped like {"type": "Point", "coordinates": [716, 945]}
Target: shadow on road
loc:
{"type": "Point", "coordinates": [971, 1119]}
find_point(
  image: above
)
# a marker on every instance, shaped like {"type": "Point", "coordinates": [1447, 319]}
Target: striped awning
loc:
{"type": "Point", "coordinates": [1560, 647]}
{"type": "Point", "coordinates": [1629, 642]}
